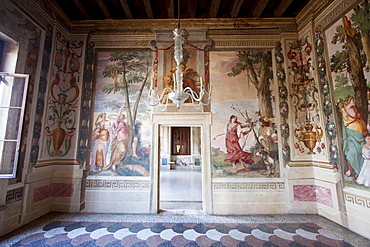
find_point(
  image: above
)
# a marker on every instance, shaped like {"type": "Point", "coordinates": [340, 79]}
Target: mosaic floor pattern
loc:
{"type": "Point", "coordinates": [136, 234]}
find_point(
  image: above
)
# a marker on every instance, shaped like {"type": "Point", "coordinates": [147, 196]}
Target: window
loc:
{"type": "Point", "coordinates": [180, 141]}
{"type": "Point", "coordinates": [13, 89]}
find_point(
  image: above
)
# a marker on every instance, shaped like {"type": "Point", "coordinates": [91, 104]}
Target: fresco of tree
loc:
{"type": "Point", "coordinates": [258, 65]}
{"type": "Point", "coordinates": [349, 52]}
{"type": "Point", "coordinates": [246, 79]}
{"type": "Point", "coordinates": [121, 128]}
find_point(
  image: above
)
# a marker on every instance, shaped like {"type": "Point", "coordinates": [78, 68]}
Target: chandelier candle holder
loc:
{"type": "Point", "coordinates": [178, 95]}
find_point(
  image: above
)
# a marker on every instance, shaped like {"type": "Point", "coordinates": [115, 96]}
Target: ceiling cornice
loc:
{"type": "Point", "coordinates": [209, 23]}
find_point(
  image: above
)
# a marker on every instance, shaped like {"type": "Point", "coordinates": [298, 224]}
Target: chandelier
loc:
{"type": "Point", "coordinates": [178, 95]}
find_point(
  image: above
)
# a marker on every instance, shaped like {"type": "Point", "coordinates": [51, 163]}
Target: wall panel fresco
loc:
{"type": "Point", "coordinates": [244, 89]}
{"type": "Point", "coordinates": [349, 55]}
{"type": "Point", "coordinates": [121, 131]}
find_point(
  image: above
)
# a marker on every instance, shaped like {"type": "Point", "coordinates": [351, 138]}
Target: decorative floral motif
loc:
{"type": "Point", "coordinates": [84, 134]}
{"type": "Point", "coordinates": [280, 74]}
{"type": "Point", "coordinates": [283, 92]}
{"type": "Point", "coordinates": [37, 129]}
{"type": "Point", "coordinates": [87, 94]}
{"type": "Point", "coordinates": [328, 107]}
{"type": "Point", "coordinates": [299, 147]}
{"type": "Point", "coordinates": [284, 128]}
{"type": "Point", "coordinates": [85, 112]}
{"type": "Point", "coordinates": [322, 68]}
{"type": "Point", "coordinates": [34, 153]}
{"type": "Point", "coordinates": [284, 109]}
{"type": "Point", "coordinates": [286, 152]}
{"type": "Point", "coordinates": [40, 106]}
{"type": "Point", "coordinates": [331, 131]}
{"type": "Point", "coordinates": [320, 45]}
{"type": "Point", "coordinates": [333, 153]}
{"type": "Point", "coordinates": [325, 87]}
{"type": "Point", "coordinates": [42, 89]}
{"type": "Point", "coordinates": [42, 85]}
{"type": "Point", "coordinates": [83, 152]}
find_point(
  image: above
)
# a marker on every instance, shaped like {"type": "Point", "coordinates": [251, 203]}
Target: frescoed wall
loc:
{"type": "Point", "coordinates": [307, 127]}
{"type": "Point", "coordinates": [349, 53]}
{"type": "Point", "coordinates": [244, 130]}
{"type": "Point", "coordinates": [121, 129]}
{"type": "Point", "coordinates": [61, 108]}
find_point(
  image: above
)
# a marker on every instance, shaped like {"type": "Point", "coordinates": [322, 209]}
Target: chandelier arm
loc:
{"type": "Point", "coordinates": [192, 93]}
{"type": "Point", "coordinates": [194, 96]}
{"type": "Point", "coordinates": [154, 98]}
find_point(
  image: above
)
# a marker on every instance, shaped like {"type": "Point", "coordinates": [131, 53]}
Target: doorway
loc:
{"type": "Point", "coordinates": [180, 171]}
{"type": "Point", "coordinates": [200, 179]}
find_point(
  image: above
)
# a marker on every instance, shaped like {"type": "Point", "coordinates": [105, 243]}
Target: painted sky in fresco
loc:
{"type": "Point", "coordinates": [229, 91]}
{"type": "Point", "coordinates": [101, 97]}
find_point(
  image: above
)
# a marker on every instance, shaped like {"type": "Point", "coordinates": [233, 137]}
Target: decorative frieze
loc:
{"type": "Point", "coordinates": [34, 12]}
{"type": "Point", "coordinates": [116, 184]}
{"type": "Point", "coordinates": [334, 13]}
{"type": "Point", "coordinates": [122, 44]}
{"type": "Point", "coordinates": [14, 195]}
{"type": "Point", "coordinates": [248, 186]}
{"type": "Point", "coordinates": [245, 43]}
{"type": "Point", "coordinates": [358, 200]}
{"type": "Point", "coordinates": [257, 31]}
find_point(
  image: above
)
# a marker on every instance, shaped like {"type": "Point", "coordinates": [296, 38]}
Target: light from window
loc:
{"type": "Point", "coordinates": [13, 91]}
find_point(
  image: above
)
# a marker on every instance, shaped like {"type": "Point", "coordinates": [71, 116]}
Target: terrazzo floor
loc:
{"type": "Point", "coordinates": [174, 229]}
{"type": "Point", "coordinates": [181, 222]}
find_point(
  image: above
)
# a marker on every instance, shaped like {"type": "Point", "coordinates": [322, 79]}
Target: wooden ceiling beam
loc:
{"type": "Point", "coordinates": [148, 9]}
{"type": "Point", "coordinates": [236, 8]}
{"type": "Point", "coordinates": [82, 9]}
{"type": "Point", "coordinates": [170, 9]}
{"type": "Point", "coordinates": [104, 9]}
{"type": "Point", "coordinates": [215, 5]}
{"type": "Point", "coordinates": [281, 8]}
{"type": "Point", "coordinates": [192, 8]}
{"type": "Point", "coordinates": [261, 5]}
{"type": "Point", "coordinates": [126, 9]}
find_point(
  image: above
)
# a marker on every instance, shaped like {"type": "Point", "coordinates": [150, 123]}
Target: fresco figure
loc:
{"type": "Point", "coordinates": [235, 153]}
{"type": "Point", "coordinates": [190, 78]}
{"type": "Point", "coordinates": [69, 135]}
{"type": "Point", "coordinates": [267, 136]}
{"type": "Point", "coordinates": [354, 129]}
{"type": "Point", "coordinates": [120, 142]}
{"type": "Point", "coordinates": [49, 136]}
{"type": "Point", "coordinates": [101, 139]}
{"type": "Point", "coordinates": [364, 176]}
{"type": "Point", "coordinates": [167, 83]}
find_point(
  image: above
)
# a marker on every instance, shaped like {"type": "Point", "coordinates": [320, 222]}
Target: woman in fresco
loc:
{"type": "Point", "coordinates": [354, 129]}
{"type": "Point", "coordinates": [101, 143]}
{"type": "Point", "coordinates": [364, 176]}
{"type": "Point", "coordinates": [267, 136]}
{"type": "Point", "coordinates": [119, 142]}
{"type": "Point", "coordinates": [235, 154]}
